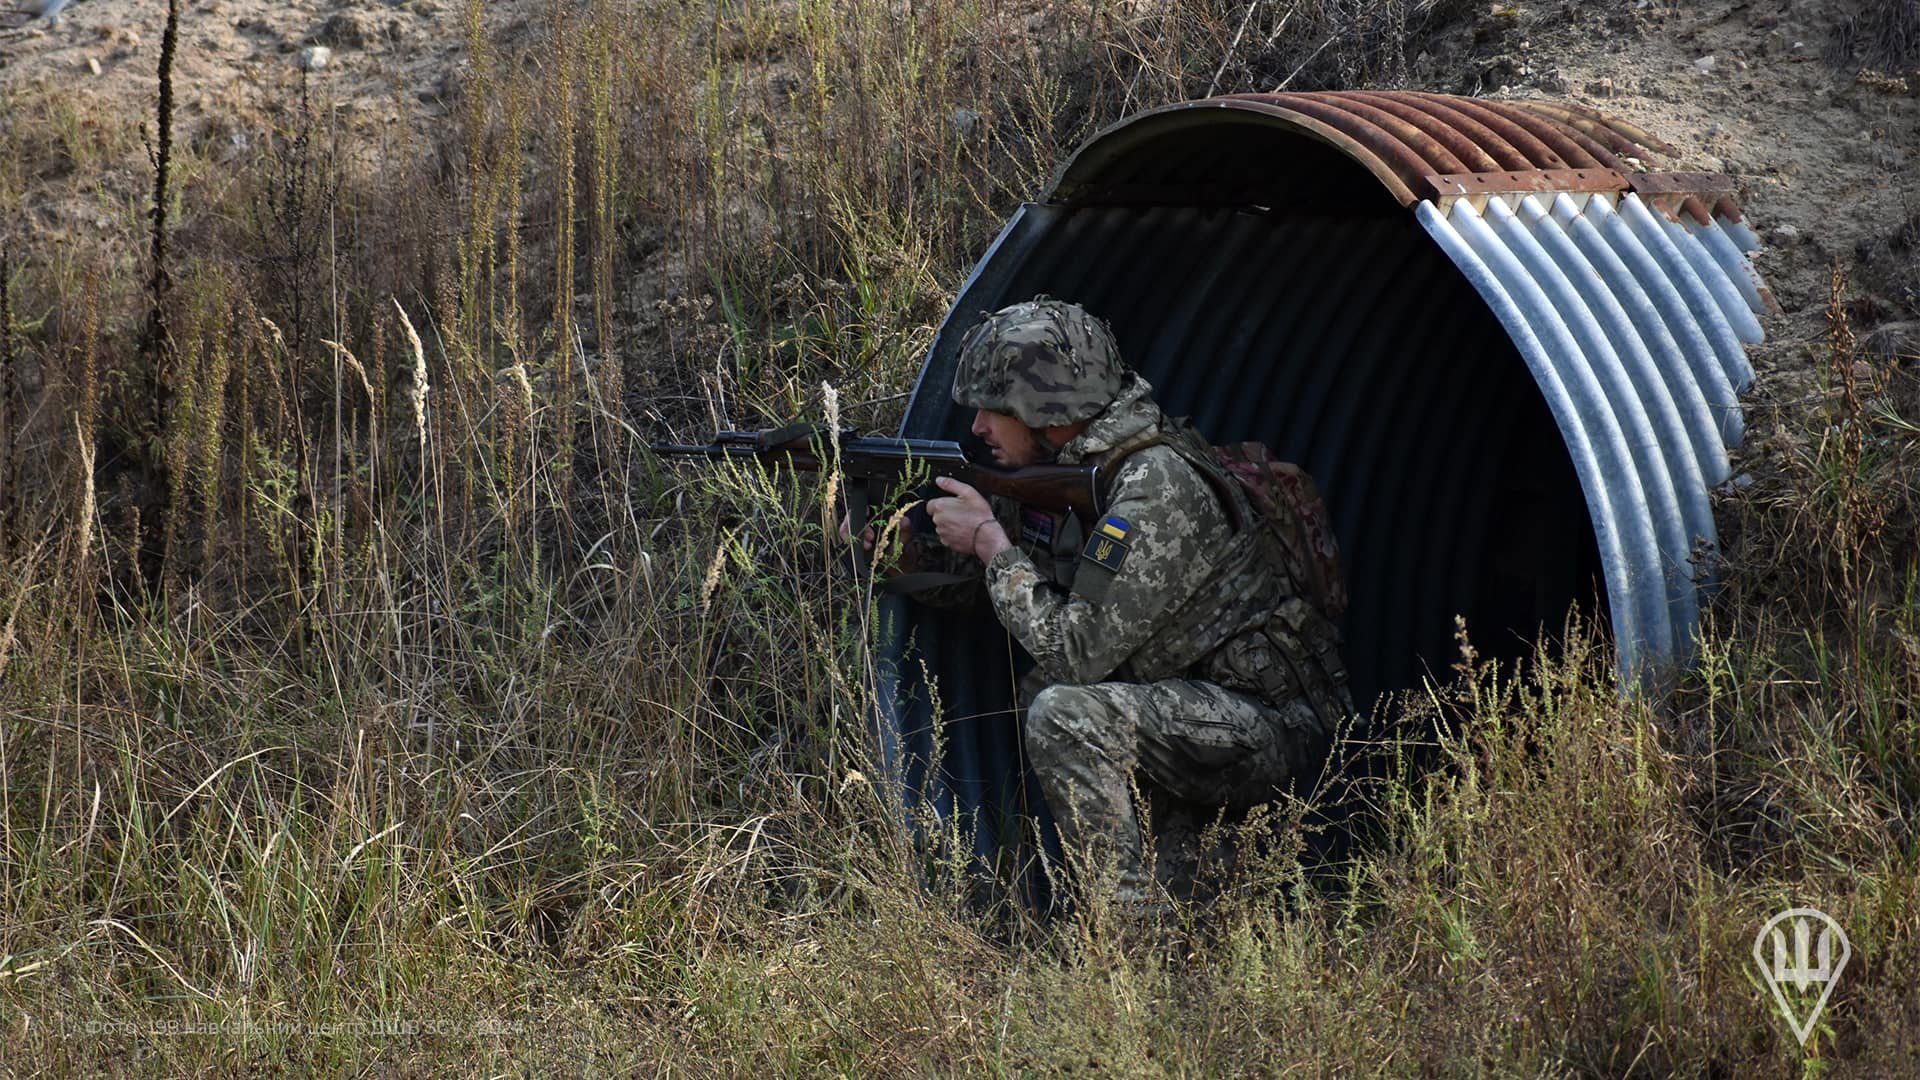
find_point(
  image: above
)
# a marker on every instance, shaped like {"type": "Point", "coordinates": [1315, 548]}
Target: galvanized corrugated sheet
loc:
{"type": "Point", "coordinates": [1506, 344]}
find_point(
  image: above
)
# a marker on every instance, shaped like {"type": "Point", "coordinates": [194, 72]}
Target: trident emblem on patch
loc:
{"type": "Point", "coordinates": [1790, 955]}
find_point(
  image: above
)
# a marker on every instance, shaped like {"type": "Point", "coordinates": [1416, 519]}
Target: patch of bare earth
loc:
{"type": "Point", "coordinates": [1781, 95]}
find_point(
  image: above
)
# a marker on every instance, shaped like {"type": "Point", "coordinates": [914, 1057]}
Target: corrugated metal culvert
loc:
{"type": "Point", "coordinates": [1506, 344]}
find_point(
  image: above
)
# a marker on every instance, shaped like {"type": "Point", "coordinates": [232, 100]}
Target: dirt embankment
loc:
{"type": "Point", "coordinates": [373, 67]}
{"type": "Point", "coordinates": [1784, 97]}
{"type": "Point", "coordinates": [380, 61]}
{"type": "Point", "coordinates": [1813, 108]}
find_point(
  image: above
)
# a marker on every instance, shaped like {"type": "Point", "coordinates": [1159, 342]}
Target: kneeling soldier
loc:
{"type": "Point", "coordinates": [1168, 635]}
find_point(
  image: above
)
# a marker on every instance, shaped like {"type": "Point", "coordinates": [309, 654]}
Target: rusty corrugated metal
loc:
{"type": "Point", "coordinates": [1504, 336]}
{"type": "Point", "coordinates": [1405, 138]}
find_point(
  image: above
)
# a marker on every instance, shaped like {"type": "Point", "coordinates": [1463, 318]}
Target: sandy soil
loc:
{"type": "Point", "coordinates": [1823, 149]}
{"type": "Point", "coordinates": [387, 59]}
{"type": "Point", "coordinates": [1825, 153]}
{"type": "Point", "coordinates": [383, 72]}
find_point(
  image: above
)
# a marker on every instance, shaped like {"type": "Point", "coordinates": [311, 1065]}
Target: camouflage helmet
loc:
{"type": "Point", "coordinates": [1045, 362]}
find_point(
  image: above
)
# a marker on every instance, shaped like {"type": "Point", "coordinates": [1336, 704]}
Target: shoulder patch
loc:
{"type": "Point", "coordinates": [1115, 528]}
{"type": "Point", "coordinates": [1103, 550]}
{"type": "Point", "coordinates": [1036, 527]}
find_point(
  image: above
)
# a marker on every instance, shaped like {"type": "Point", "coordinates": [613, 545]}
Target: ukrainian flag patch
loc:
{"type": "Point", "coordinates": [1114, 528]}
{"type": "Point", "coordinates": [1103, 550]}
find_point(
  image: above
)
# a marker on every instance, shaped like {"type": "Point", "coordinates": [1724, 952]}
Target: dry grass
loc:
{"type": "Point", "coordinates": [437, 731]}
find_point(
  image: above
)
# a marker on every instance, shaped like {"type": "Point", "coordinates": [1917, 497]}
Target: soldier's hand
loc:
{"type": "Point", "coordinates": [965, 521]}
{"type": "Point", "coordinates": [869, 536]}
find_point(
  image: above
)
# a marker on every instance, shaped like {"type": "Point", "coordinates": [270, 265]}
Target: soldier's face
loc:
{"type": "Point", "coordinates": [1014, 444]}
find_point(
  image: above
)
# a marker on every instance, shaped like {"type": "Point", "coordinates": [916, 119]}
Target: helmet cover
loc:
{"type": "Point", "coordinates": [1045, 362]}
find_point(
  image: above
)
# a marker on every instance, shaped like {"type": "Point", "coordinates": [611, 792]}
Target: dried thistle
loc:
{"type": "Point", "coordinates": [832, 494]}
{"type": "Point", "coordinates": [1467, 667]}
{"type": "Point", "coordinates": [891, 532]}
{"type": "Point", "coordinates": [417, 392]}
{"type": "Point", "coordinates": [84, 540]}
{"type": "Point", "coordinates": [712, 580]}
{"type": "Point", "coordinates": [353, 365]}
{"type": "Point", "coordinates": [515, 394]}
{"type": "Point", "coordinates": [518, 375]}
{"type": "Point", "coordinates": [213, 394]}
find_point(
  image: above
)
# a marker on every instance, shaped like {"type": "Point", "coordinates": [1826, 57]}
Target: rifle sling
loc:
{"type": "Point", "coordinates": [1221, 484]}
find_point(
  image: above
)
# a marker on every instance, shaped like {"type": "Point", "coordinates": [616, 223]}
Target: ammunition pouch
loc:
{"type": "Point", "coordinates": [1295, 654]}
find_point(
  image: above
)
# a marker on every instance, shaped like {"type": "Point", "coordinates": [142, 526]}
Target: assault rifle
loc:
{"type": "Point", "coordinates": [877, 467]}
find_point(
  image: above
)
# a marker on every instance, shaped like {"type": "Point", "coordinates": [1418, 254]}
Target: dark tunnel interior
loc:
{"type": "Point", "coordinates": [1352, 346]}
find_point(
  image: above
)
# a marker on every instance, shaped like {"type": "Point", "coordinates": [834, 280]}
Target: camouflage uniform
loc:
{"type": "Point", "coordinates": [1167, 641]}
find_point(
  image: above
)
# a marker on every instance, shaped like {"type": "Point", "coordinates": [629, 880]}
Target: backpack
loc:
{"type": "Point", "coordinates": [1289, 502]}
{"type": "Point", "coordinates": [1281, 493]}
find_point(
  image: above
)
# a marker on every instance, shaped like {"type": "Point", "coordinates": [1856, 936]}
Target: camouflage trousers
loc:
{"type": "Point", "coordinates": [1092, 746]}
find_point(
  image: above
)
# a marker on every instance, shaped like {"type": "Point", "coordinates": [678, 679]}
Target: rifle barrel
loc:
{"type": "Point", "coordinates": [878, 458]}
{"type": "Point", "coordinates": [686, 450]}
